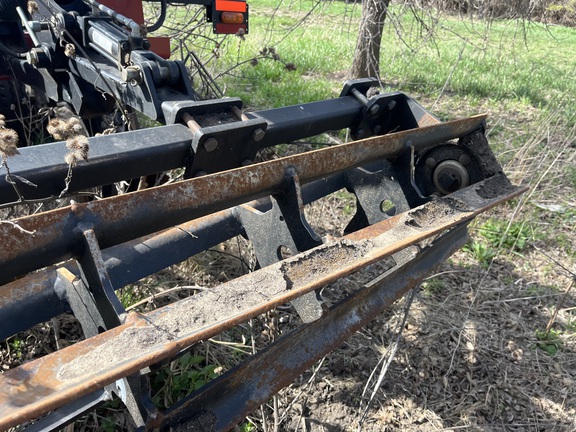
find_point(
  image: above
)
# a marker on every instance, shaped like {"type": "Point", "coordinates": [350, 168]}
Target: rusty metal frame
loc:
{"type": "Point", "coordinates": [44, 384]}
{"type": "Point", "coordinates": [79, 255]}
{"type": "Point", "coordinates": [250, 384]}
{"type": "Point", "coordinates": [151, 210]}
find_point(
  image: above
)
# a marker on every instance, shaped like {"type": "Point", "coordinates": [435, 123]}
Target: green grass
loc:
{"type": "Point", "coordinates": [506, 61]}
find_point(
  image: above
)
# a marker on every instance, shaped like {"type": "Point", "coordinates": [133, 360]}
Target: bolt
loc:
{"type": "Point", "coordinates": [431, 162]}
{"type": "Point", "coordinates": [361, 134]}
{"type": "Point", "coordinates": [125, 46]}
{"type": "Point", "coordinates": [146, 44]}
{"type": "Point", "coordinates": [465, 159]}
{"type": "Point", "coordinates": [258, 134]}
{"type": "Point", "coordinates": [391, 105]}
{"type": "Point", "coordinates": [377, 129]}
{"type": "Point", "coordinates": [32, 57]}
{"type": "Point", "coordinates": [132, 74]}
{"type": "Point", "coordinates": [211, 144]}
{"type": "Point", "coordinates": [374, 109]}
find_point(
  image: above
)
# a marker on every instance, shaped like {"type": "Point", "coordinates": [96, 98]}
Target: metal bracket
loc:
{"type": "Point", "coordinates": [94, 303]}
{"type": "Point", "coordinates": [284, 228]}
{"type": "Point", "coordinates": [96, 278]}
{"type": "Point", "coordinates": [378, 195]}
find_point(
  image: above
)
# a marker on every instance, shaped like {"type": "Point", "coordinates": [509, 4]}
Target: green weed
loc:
{"type": "Point", "coordinates": [433, 286]}
{"type": "Point", "coordinates": [180, 378]}
{"type": "Point", "coordinates": [549, 341]}
{"type": "Point", "coordinates": [17, 346]}
{"type": "Point", "coordinates": [481, 252]}
{"type": "Point", "coordinates": [513, 237]}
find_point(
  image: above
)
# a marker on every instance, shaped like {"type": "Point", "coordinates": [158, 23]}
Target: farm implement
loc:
{"type": "Point", "coordinates": [417, 183]}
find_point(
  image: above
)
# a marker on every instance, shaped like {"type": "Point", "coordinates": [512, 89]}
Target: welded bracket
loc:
{"type": "Point", "coordinates": [95, 275]}
{"type": "Point", "coordinates": [94, 303]}
{"type": "Point", "coordinates": [284, 230]}
{"type": "Point", "coordinates": [378, 195]}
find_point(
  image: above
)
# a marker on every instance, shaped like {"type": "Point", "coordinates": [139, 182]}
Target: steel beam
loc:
{"type": "Point", "coordinates": [126, 217]}
{"type": "Point", "coordinates": [117, 157]}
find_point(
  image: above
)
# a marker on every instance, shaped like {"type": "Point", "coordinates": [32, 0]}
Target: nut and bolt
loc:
{"type": "Point", "coordinates": [32, 57]}
{"type": "Point", "coordinates": [211, 144]}
{"type": "Point", "coordinates": [465, 159]}
{"type": "Point", "coordinates": [258, 135]}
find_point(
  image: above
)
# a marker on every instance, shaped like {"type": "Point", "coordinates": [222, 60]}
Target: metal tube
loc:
{"type": "Point", "coordinates": [26, 24]}
{"type": "Point", "coordinates": [36, 298]}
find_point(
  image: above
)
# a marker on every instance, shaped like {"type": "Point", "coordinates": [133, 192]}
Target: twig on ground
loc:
{"type": "Point", "coordinates": [386, 360]}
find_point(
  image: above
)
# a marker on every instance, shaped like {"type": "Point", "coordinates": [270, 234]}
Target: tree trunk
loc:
{"type": "Point", "coordinates": [367, 55]}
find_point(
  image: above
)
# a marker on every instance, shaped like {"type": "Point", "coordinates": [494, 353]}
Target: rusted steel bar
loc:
{"type": "Point", "coordinates": [35, 298]}
{"type": "Point", "coordinates": [58, 378]}
{"type": "Point", "coordinates": [251, 384]}
{"type": "Point", "coordinates": [119, 219]}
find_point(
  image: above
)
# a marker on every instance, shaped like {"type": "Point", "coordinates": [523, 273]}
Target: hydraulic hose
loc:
{"type": "Point", "coordinates": [160, 19]}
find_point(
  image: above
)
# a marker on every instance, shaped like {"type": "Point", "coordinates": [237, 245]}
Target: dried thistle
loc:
{"type": "Point", "coordinates": [290, 67]}
{"type": "Point", "coordinates": [58, 129]}
{"type": "Point", "coordinates": [70, 159]}
{"type": "Point", "coordinates": [70, 50]}
{"type": "Point", "coordinates": [8, 142]}
{"type": "Point", "coordinates": [76, 126]}
{"type": "Point", "coordinates": [254, 62]}
{"type": "Point", "coordinates": [2, 121]}
{"type": "Point", "coordinates": [78, 147]}
{"type": "Point", "coordinates": [32, 7]}
{"type": "Point", "coordinates": [64, 129]}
